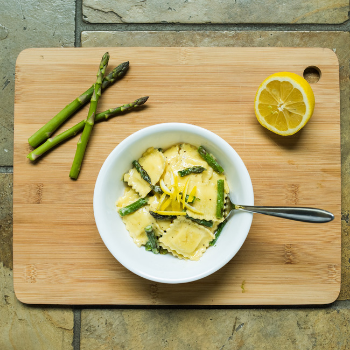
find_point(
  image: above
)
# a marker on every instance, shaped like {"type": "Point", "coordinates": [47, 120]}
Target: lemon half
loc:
{"type": "Point", "coordinates": [284, 103]}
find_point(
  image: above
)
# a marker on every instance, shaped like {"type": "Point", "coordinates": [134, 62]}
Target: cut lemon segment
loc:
{"type": "Point", "coordinates": [284, 103]}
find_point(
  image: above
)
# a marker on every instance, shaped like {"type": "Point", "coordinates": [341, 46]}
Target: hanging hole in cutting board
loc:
{"type": "Point", "coordinates": [312, 74]}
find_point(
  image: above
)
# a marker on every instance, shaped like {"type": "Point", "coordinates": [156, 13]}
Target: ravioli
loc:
{"type": "Point", "coordinates": [153, 161]}
{"type": "Point", "coordinates": [190, 157]}
{"type": "Point", "coordinates": [187, 157]}
{"type": "Point", "coordinates": [137, 221]}
{"type": "Point", "coordinates": [171, 154]}
{"type": "Point", "coordinates": [129, 197]}
{"type": "Point", "coordinates": [207, 193]}
{"type": "Point", "coordinates": [154, 202]}
{"type": "Point", "coordinates": [186, 238]}
{"type": "Point", "coordinates": [162, 226]}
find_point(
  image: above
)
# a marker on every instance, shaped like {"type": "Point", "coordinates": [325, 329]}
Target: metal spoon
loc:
{"type": "Point", "coordinates": [293, 213]}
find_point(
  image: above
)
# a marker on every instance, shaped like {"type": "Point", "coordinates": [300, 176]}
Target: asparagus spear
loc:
{"type": "Point", "coordinates": [162, 217]}
{"type": "Point", "coordinates": [210, 159]}
{"type": "Point", "coordinates": [46, 131]}
{"type": "Point", "coordinates": [197, 169]}
{"type": "Point", "coordinates": [148, 247]}
{"type": "Point", "coordinates": [207, 223]}
{"type": "Point", "coordinates": [144, 175]}
{"type": "Point", "coordinates": [53, 141]}
{"type": "Point", "coordinates": [157, 189]}
{"type": "Point", "coordinates": [90, 120]}
{"type": "Point", "coordinates": [218, 232]}
{"type": "Point", "coordinates": [152, 239]}
{"type": "Point", "coordinates": [220, 199]}
{"type": "Point", "coordinates": [131, 208]}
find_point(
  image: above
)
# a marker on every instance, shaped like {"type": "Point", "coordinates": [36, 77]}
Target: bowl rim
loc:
{"type": "Point", "coordinates": [176, 127]}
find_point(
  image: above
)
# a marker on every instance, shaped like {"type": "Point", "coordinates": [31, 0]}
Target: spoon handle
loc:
{"type": "Point", "coordinates": [293, 213]}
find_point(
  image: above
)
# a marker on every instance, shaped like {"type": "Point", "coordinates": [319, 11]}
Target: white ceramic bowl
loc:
{"type": "Point", "coordinates": [109, 187]}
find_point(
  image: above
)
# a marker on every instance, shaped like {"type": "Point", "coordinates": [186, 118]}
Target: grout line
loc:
{"type": "Point", "coordinates": [6, 169]}
{"type": "Point", "coordinates": [78, 20]}
{"type": "Point", "coordinates": [84, 26]}
{"type": "Point", "coordinates": [76, 329]}
{"type": "Point", "coordinates": [81, 25]}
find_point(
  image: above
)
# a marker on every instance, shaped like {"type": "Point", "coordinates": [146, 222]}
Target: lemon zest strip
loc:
{"type": "Point", "coordinates": [192, 193]}
{"type": "Point", "coordinates": [160, 212]}
{"type": "Point", "coordinates": [165, 189]}
{"type": "Point", "coordinates": [166, 204]}
{"type": "Point", "coordinates": [161, 200]}
{"type": "Point", "coordinates": [193, 209]}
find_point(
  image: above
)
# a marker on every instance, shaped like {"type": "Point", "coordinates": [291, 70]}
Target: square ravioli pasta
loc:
{"type": "Point", "coordinates": [153, 162]}
{"type": "Point", "coordinates": [138, 220]}
{"type": "Point", "coordinates": [186, 239]}
{"type": "Point", "coordinates": [184, 156]}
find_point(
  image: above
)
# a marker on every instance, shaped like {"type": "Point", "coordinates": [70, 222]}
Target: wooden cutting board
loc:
{"type": "Point", "coordinates": [59, 257]}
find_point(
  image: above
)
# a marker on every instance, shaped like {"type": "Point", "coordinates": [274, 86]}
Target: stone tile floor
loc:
{"type": "Point", "coordinates": [55, 23]}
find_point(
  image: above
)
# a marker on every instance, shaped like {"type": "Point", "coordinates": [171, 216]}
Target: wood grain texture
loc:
{"type": "Point", "coordinates": [59, 257]}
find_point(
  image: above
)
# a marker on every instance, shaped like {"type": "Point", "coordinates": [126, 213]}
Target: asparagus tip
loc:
{"type": "Point", "coordinates": [125, 65]}
{"type": "Point", "coordinates": [104, 60]}
{"type": "Point", "coordinates": [142, 100]}
{"type": "Point", "coordinates": [120, 70]}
